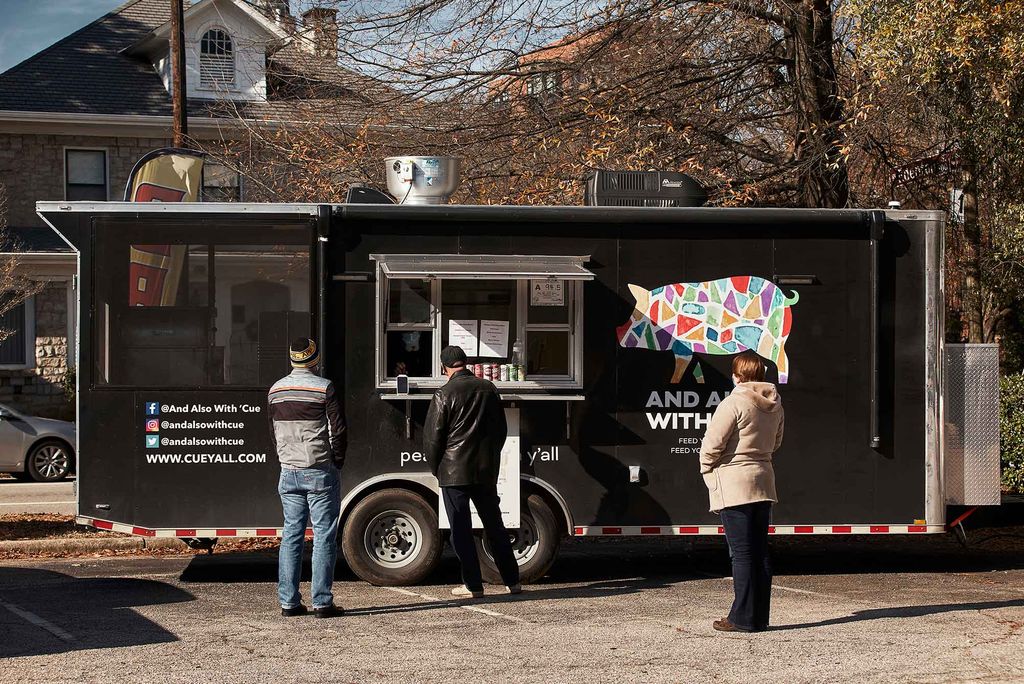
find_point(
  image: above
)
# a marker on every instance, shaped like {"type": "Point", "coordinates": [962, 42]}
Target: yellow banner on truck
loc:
{"type": "Point", "coordinates": [169, 174]}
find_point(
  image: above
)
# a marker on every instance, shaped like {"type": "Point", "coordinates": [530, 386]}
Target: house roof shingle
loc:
{"type": "Point", "coordinates": [32, 239]}
{"type": "Point", "coordinates": [87, 73]}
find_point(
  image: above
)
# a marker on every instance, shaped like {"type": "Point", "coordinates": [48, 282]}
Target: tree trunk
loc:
{"type": "Point", "coordinates": [974, 296]}
{"type": "Point", "coordinates": [822, 172]}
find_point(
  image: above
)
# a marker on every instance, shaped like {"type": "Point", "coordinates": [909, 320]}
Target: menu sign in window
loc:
{"type": "Point", "coordinates": [464, 333]}
{"type": "Point", "coordinates": [494, 339]}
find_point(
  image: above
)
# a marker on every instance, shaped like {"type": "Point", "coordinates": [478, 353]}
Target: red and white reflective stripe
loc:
{"type": "Point", "coordinates": [174, 532]}
{"type": "Point", "coordinates": [698, 530]}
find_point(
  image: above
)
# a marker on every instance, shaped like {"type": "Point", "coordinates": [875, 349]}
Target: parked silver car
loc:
{"type": "Point", "coordinates": [40, 449]}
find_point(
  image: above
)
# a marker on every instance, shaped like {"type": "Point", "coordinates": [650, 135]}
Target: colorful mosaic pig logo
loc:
{"type": "Point", "coordinates": [725, 316]}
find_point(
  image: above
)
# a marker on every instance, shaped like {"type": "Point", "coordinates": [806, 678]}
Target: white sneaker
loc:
{"type": "Point", "coordinates": [514, 589]}
{"type": "Point", "coordinates": [464, 592]}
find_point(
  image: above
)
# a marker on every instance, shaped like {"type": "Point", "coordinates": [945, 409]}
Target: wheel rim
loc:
{"type": "Point", "coordinates": [525, 541]}
{"type": "Point", "coordinates": [393, 539]}
{"type": "Point", "coordinates": [51, 461]}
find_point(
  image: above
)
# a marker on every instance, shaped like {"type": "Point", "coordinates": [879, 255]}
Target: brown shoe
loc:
{"type": "Point", "coordinates": [724, 625]}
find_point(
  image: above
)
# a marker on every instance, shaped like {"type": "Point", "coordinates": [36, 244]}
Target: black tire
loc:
{"type": "Point", "coordinates": [537, 519]}
{"type": "Point", "coordinates": [401, 528]}
{"type": "Point", "coordinates": [49, 461]}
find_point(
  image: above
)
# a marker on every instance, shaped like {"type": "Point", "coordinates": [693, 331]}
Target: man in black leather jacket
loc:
{"type": "Point", "coordinates": [463, 436]}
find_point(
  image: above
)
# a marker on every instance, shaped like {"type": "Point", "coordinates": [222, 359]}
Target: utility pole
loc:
{"type": "Point", "coordinates": [178, 100]}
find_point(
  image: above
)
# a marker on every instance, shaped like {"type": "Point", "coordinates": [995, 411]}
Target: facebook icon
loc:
{"type": "Point", "coordinates": [152, 408]}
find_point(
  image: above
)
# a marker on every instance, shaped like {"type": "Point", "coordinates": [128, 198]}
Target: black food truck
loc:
{"type": "Point", "coordinates": [609, 332]}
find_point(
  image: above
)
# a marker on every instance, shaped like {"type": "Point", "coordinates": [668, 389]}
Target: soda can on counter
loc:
{"type": "Point", "coordinates": [495, 372]}
{"type": "Point", "coordinates": [478, 370]}
{"type": "Point", "coordinates": [521, 374]}
{"type": "Point", "coordinates": [513, 375]}
{"type": "Point", "coordinates": [503, 373]}
{"type": "Point", "coordinates": [487, 372]}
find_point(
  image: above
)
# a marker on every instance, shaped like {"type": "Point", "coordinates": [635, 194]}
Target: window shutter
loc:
{"type": "Point", "coordinates": [12, 349]}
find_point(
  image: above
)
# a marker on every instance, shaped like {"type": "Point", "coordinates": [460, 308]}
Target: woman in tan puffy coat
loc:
{"type": "Point", "coordinates": [736, 462]}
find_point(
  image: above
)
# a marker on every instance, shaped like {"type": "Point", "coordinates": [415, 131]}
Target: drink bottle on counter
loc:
{"type": "Point", "coordinates": [519, 360]}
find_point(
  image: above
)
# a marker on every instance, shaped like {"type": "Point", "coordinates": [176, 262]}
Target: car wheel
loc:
{"type": "Point", "coordinates": [391, 538]}
{"type": "Point", "coordinates": [48, 461]}
{"type": "Point", "coordinates": [535, 543]}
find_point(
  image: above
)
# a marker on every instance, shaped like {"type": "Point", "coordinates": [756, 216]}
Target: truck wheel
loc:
{"type": "Point", "coordinates": [391, 538]}
{"type": "Point", "coordinates": [535, 543]}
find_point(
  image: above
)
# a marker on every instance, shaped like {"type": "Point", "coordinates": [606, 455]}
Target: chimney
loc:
{"type": "Point", "coordinates": [279, 12]}
{"type": "Point", "coordinates": [321, 25]}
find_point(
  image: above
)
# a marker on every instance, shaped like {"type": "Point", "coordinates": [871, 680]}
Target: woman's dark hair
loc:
{"type": "Point", "coordinates": [748, 367]}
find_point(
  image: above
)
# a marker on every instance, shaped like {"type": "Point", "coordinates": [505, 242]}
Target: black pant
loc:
{"type": "Point", "coordinates": [746, 530]}
{"type": "Point", "coordinates": [456, 503]}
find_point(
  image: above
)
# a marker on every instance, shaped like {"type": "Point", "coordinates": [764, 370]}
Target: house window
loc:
{"type": "Point", "coordinates": [502, 99]}
{"type": "Point", "coordinates": [85, 175]}
{"type": "Point", "coordinates": [221, 184]}
{"type": "Point", "coordinates": [216, 59]}
{"type": "Point", "coordinates": [544, 84]}
{"type": "Point", "coordinates": [17, 327]}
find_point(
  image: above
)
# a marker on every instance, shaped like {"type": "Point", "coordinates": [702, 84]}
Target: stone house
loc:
{"type": "Point", "coordinates": [75, 117]}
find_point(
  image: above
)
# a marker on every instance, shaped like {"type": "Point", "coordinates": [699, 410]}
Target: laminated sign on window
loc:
{"type": "Point", "coordinates": [547, 293]}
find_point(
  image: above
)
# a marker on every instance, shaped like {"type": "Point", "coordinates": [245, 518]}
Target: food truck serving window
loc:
{"type": "Point", "coordinates": [523, 313]}
{"type": "Point", "coordinates": [194, 306]}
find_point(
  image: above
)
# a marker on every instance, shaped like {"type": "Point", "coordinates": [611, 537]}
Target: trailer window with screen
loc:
{"type": "Point", "coordinates": [492, 306]}
{"type": "Point", "coordinates": [175, 309]}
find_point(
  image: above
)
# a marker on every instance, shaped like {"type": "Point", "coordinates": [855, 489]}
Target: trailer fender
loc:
{"type": "Point", "coordinates": [425, 480]}
{"type": "Point", "coordinates": [549, 489]}
{"type": "Point", "coordinates": [428, 481]}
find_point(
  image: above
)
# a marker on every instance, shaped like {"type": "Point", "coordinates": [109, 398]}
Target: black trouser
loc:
{"type": "Point", "coordinates": [746, 530]}
{"type": "Point", "coordinates": [485, 497]}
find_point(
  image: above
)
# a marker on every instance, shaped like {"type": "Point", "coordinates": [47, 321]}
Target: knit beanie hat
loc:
{"type": "Point", "coordinates": [303, 353]}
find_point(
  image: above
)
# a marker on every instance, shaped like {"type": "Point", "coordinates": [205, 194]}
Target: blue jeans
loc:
{"type": "Point", "coordinates": [746, 530]}
{"type": "Point", "coordinates": [308, 493]}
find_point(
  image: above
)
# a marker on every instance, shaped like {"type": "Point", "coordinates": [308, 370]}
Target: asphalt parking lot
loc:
{"type": "Point", "coordinates": [921, 610]}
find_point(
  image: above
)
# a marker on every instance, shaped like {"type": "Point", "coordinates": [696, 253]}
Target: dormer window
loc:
{"type": "Point", "coordinates": [216, 60]}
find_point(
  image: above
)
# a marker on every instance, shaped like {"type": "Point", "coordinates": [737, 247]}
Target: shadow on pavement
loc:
{"type": "Point", "coordinates": [44, 612]}
{"type": "Point", "coordinates": [903, 612]}
{"type": "Point", "coordinates": [669, 559]}
{"type": "Point", "coordinates": [249, 567]}
{"type": "Point", "coordinates": [609, 558]}
{"type": "Point", "coordinates": [532, 593]}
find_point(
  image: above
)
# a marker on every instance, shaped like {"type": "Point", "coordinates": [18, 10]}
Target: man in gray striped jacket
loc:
{"type": "Point", "coordinates": [308, 431]}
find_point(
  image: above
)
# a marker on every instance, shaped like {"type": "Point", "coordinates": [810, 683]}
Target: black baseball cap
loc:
{"type": "Point", "coordinates": [453, 357]}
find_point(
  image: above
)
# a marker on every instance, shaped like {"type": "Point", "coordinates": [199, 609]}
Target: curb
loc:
{"type": "Point", "coordinates": [87, 545]}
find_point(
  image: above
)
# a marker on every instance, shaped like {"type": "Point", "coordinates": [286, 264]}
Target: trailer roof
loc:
{"type": "Point", "coordinates": [468, 212]}
{"type": "Point", "coordinates": [176, 207]}
{"type": "Point", "coordinates": [562, 214]}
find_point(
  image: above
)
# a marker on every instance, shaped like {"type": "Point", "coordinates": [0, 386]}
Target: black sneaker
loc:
{"type": "Point", "coordinates": [294, 612]}
{"type": "Point", "coordinates": [328, 611]}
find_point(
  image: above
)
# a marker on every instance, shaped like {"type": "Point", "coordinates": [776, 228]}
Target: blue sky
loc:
{"type": "Point", "coordinates": [28, 26]}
